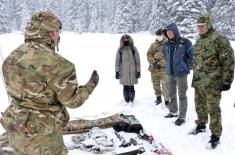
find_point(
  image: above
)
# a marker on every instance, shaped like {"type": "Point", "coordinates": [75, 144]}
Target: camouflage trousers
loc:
{"type": "Point", "coordinates": [208, 102]}
{"type": "Point", "coordinates": [37, 145]}
{"type": "Point", "coordinates": [160, 84]}
{"type": "Point", "coordinates": [34, 132]}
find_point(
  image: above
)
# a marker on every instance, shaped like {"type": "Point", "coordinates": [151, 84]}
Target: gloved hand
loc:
{"type": "Point", "coordinates": [138, 75]}
{"type": "Point", "coordinates": [117, 76]}
{"type": "Point", "coordinates": [225, 87]}
{"type": "Point", "coordinates": [157, 65]}
{"type": "Point", "coordinates": [93, 81]}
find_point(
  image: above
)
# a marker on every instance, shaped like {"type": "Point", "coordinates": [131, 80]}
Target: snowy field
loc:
{"type": "Point", "coordinates": [97, 51]}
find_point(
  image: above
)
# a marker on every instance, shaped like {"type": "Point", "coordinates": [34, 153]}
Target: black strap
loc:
{"type": "Point", "coordinates": [133, 52]}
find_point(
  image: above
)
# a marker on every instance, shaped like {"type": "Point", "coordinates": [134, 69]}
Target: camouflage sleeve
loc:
{"type": "Point", "coordinates": [66, 87]}
{"type": "Point", "coordinates": [150, 56]}
{"type": "Point", "coordinates": [227, 59]}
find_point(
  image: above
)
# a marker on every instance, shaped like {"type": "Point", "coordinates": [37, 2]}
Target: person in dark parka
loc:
{"type": "Point", "coordinates": [178, 52]}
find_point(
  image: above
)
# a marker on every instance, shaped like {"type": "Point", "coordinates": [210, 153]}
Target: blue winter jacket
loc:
{"type": "Point", "coordinates": [178, 53]}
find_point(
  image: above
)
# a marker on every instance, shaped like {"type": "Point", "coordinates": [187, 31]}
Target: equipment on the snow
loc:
{"type": "Point", "coordinates": [157, 147]}
{"type": "Point", "coordinates": [82, 125]}
{"type": "Point", "coordinates": [94, 141]}
{"type": "Point", "coordinates": [135, 151]}
{"type": "Point", "coordinates": [124, 143]}
{"type": "Point", "coordinates": [128, 124]}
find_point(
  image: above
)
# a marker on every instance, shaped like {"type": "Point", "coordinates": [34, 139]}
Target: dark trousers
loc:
{"type": "Point", "coordinates": [129, 93]}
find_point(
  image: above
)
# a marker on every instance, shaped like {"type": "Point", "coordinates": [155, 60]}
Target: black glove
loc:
{"type": "Point", "coordinates": [117, 76]}
{"type": "Point", "coordinates": [225, 87]}
{"type": "Point", "coordinates": [138, 75]}
{"type": "Point", "coordinates": [157, 65]}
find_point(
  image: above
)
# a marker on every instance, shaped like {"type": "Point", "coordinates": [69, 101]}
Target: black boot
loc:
{"type": "Point", "coordinates": [198, 129]}
{"type": "Point", "coordinates": [167, 104]}
{"type": "Point", "coordinates": [126, 93]}
{"type": "Point", "coordinates": [213, 142]}
{"type": "Point", "coordinates": [131, 93]}
{"type": "Point", "coordinates": [159, 100]}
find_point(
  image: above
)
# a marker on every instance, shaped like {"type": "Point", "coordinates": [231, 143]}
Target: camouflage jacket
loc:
{"type": "Point", "coordinates": [155, 56]}
{"type": "Point", "coordinates": [39, 78]}
{"type": "Point", "coordinates": [213, 62]}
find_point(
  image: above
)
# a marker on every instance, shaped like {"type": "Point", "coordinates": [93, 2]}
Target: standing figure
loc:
{"type": "Point", "coordinates": [41, 84]}
{"type": "Point", "coordinates": [213, 70]}
{"type": "Point", "coordinates": [157, 67]}
{"type": "Point", "coordinates": [178, 52]}
{"type": "Point", "coordinates": [127, 67]}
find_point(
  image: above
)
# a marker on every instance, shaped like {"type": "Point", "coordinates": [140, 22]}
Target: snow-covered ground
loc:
{"type": "Point", "coordinates": [97, 51]}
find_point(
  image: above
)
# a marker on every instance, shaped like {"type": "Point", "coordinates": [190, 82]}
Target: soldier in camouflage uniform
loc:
{"type": "Point", "coordinates": [157, 67]}
{"type": "Point", "coordinates": [213, 70]}
{"type": "Point", "coordinates": [41, 83]}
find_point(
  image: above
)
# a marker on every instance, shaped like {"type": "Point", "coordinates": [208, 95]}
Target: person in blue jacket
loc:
{"type": "Point", "coordinates": [178, 52]}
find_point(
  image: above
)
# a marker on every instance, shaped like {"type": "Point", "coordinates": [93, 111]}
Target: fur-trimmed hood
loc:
{"type": "Point", "coordinates": [128, 37]}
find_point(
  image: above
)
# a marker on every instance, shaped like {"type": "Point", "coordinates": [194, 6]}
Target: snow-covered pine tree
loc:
{"type": "Point", "coordinates": [185, 15]}
{"type": "Point", "coordinates": [17, 18]}
{"type": "Point", "coordinates": [109, 15]}
{"type": "Point", "coordinates": [159, 15]}
{"type": "Point", "coordinates": [94, 18]}
{"type": "Point", "coordinates": [224, 17]}
{"type": "Point", "coordinates": [144, 13]}
{"type": "Point", "coordinates": [5, 16]}
{"type": "Point", "coordinates": [24, 15]}
{"type": "Point", "coordinates": [124, 22]}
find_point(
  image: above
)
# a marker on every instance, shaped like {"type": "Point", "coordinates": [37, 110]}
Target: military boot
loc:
{"type": "Point", "coordinates": [198, 129]}
{"type": "Point", "coordinates": [167, 104]}
{"type": "Point", "coordinates": [213, 142]}
{"type": "Point", "coordinates": [159, 100]}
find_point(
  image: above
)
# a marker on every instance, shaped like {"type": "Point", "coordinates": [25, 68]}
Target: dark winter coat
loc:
{"type": "Point", "coordinates": [178, 53]}
{"type": "Point", "coordinates": [127, 62]}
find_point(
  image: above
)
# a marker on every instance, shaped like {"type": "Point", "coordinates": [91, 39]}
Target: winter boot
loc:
{"type": "Point", "coordinates": [213, 142]}
{"type": "Point", "coordinates": [159, 100]}
{"type": "Point", "coordinates": [198, 129]}
{"type": "Point", "coordinates": [171, 115]}
{"type": "Point", "coordinates": [131, 94]}
{"type": "Point", "coordinates": [126, 94]}
{"type": "Point", "coordinates": [179, 121]}
{"type": "Point", "coordinates": [167, 104]}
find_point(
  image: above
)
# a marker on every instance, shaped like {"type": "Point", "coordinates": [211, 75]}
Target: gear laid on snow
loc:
{"type": "Point", "coordinates": [129, 124]}
{"type": "Point", "coordinates": [157, 147]}
{"type": "Point", "coordinates": [94, 141]}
